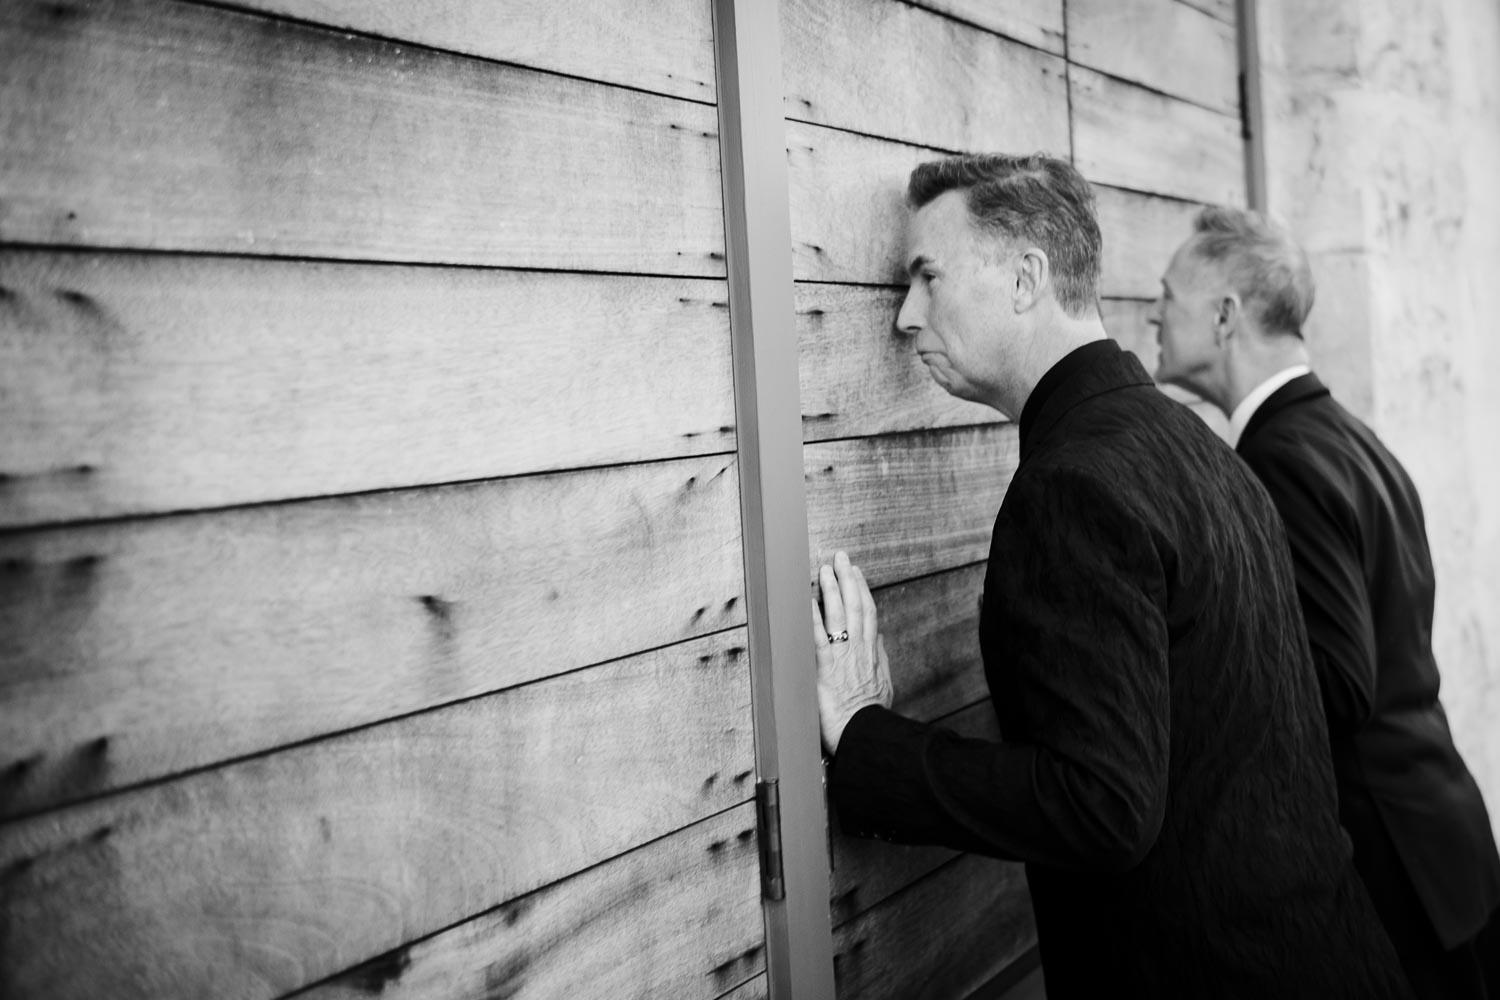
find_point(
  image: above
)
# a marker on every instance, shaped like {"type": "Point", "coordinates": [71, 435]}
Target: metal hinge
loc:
{"type": "Point", "coordinates": [1244, 85]}
{"type": "Point", "coordinates": [768, 822]}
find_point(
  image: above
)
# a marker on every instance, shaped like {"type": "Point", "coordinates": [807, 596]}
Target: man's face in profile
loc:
{"type": "Point", "coordinates": [1184, 321]}
{"type": "Point", "coordinates": [956, 303]}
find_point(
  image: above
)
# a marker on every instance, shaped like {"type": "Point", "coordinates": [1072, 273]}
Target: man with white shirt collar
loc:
{"type": "Point", "coordinates": [1229, 320]}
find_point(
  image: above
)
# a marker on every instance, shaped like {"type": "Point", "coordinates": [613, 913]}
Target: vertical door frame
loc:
{"type": "Point", "coordinates": [1252, 107]}
{"type": "Point", "coordinates": [768, 422]}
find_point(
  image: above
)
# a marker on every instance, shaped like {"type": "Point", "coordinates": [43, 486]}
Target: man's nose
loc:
{"type": "Point", "coordinates": [909, 319]}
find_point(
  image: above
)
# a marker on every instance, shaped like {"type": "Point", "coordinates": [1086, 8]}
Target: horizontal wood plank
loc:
{"type": "Point", "coordinates": [750, 989]}
{"type": "Point", "coordinates": [1035, 22]}
{"type": "Point", "coordinates": [1141, 232]}
{"type": "Point", "coordinates": [942, 938]}
{"type": "Point", "coordinates": [147, 383]}
{"type": "Point", "coordinates": [848, 204]}
{"type": "Point", "coordinates": [848, 216]}
{"type": "Point", "coordinates": [1224, 10]}
{"type": "Point", "coordinates": [860, 376]}
{"type": "Point", "coordinates": [931, 629]}
{"type": "Point", "coordinates": [679, 917]}
{"type": "Point", "coordinates": [662, 47]}
{"type": "Point", "coordinates": [145, 123]}
{"type": "Point", "coordinates": [908, 505]}
{"type": "Point", "coordinates": [906, 73]}
{"type": "Point", "coordinates": [266, 875]}
{"type": "Point", "coordinates": [137, 649]}
{"type": "Point", "coordinates": [865, 871]}
{"type": "Point", "coordinates": [1128, 39]}
{"type": "Point", "coordinates": [1129, 137]}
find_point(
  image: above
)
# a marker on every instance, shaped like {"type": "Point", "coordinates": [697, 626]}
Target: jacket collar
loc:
{"type": "Point", "coordinates": [1090, 371]}
{"type": "Point", "coordinates": [1302, 388]}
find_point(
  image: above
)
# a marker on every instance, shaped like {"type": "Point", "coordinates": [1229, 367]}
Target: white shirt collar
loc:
{"type": "Point", "coordinates": [1242, 413]}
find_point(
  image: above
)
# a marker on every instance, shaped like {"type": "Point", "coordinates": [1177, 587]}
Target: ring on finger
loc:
{"type": "Point", "coordinates": [838, 636]}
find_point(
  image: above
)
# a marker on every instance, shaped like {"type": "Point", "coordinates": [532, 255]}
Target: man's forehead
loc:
{"type": "Point", "coordinates": [940, 227]}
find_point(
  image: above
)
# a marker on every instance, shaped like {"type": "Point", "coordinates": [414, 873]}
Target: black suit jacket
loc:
{"type": "Point", "coordinates": [1164, 768]}
{"type": "Point", "coordinates": [1364, 576]}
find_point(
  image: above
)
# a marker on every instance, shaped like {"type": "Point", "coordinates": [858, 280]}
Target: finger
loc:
{"type": "Point", "coordinates": [849, 592]}
{"type": "Point", "coordinates": [820, 634]}
{"type": "Point", "coordinates": [834, 618]}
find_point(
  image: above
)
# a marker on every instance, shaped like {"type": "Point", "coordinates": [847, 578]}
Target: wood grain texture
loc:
{"type": "Point", "coordinates": [860, 376]}
{"type": "Point", "coordinates": [679, 917]}
{"type": "Point", "coordinates": [1141, 232]}
{"type": "Point", "coordinates": [1224, 10]}
{"type": "Point", "coordinates": [269, 874]}
{"type": "Point", "coordinates": [137, 649]}
{"type": "Point", "coordinates": [908, 505]}
{"type": "Point", "coordinates": [1129, 137]}
{"type": "Point", "coordinates": [886, 68]}
{"type": "Point", "coordinates": [751, 989]}
{"type": "Point", "coordinates": [182, 382]}
{"type": "Point", "coordinates": [1129, 39]}
{"type": "Point", "coordinates": [666, 47]}
{"type": "Point", "coordinates": [866, 872]}
{"type": "Point", "coordinates": [847, 197]}
{"type": "Point", "coordinates": [144, 123]}
{"type": "Point", "coordinates": [943, 937]}
{"type": "Point", "coordinates": [931, 629]}
{"type": "Point", "coordinates": [1035, 22]}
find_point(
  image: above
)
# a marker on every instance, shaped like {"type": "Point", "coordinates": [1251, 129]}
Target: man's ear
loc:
{"type": "Point", "coordinates": [1033, 273]}
{"type": "Point", "coordinates": [1228, 314]}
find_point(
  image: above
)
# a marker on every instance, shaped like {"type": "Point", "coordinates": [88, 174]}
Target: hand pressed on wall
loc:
{"type": "Point", "coordinates": [852, 674]}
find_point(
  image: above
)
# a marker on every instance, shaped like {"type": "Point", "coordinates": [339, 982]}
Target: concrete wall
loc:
{"type": "Point", "coordinates": [1382, 137]}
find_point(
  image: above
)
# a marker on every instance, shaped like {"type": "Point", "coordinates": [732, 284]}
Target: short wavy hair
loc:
{"type": "Point", "coordinates": [1262, 263]}
{"type": "Point", "coordinates": [1037, 199]}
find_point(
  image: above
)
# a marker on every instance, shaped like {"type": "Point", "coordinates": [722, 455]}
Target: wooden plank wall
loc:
{"type": "Point", "coordinates": [371, 611]}
{"type": "Point", "coordinates": [905, 478]}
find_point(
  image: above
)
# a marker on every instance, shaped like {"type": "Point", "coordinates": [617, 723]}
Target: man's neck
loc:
{"type": "Point", "coordinates": [1048, 347]}
{"type": "Point", "coordinates": [1250, 368]}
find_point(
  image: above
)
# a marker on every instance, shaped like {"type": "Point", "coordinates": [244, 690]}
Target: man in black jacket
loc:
{"type": "Point", "coordinates": [1163, 769]}
{"type": "Point", "coordinates": [1230, 318]}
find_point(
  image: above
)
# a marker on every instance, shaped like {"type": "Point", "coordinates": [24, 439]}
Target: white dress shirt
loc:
{"type": "Point", "coordinates": [1242, 413]}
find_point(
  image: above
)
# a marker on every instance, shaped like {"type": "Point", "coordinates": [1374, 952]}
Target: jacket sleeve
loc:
{"type": "Point", "coordinates": [1072, 606]}
{"type": "Point", "coordinates": [1324, 536]}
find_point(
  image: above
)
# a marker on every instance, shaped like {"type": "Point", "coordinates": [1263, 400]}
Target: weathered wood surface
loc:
{"type": "Point", "coordinates": [146, 383]}
{"type": "Point", "coordinates": [751, 989]}
{"type": "Point", "coordinates": [848, 215]}
{"type": "Point", "coordinates": [1224, 10]}
{"type": "Point", "coordinates": [847, 196]}
{"type": "Point", "coordinates": [866, 872]}
{"type": "Point", "coordinates": [943, 937]}
{"type": "Point", "coordinates": [886, 68]}
{"type": "Point", "coordinates": [679, 917]}
{"type": "Point", "coordinates": [1035, 22]}
{"type": "Point", "coordinates": [144, 123]}
{"type": "Point", "coordinates": [1163, 44]}
{"type": "Point", "coordinates": [662, 47]}
{"type": "Point", "coordinates": [137, 649]}
{"type": "Point", "coordinates": [931, 629]}
{"type": "Point", "coordinates": [908, 505]}
{"type": "Point", "coordinates": [269, 874]}
{"type": "Point", "coordinates": [1141, 232]}
{"type": "Point", "coordinates": [860, 376]}
{"type": "Point", "coordinates": [1129, 137]}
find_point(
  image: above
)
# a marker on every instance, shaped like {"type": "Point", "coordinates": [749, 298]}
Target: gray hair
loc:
{"type": "Point", "coordinates": [1035, 198]}
{"type": "Point", "coordinates": [1262, 262]}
